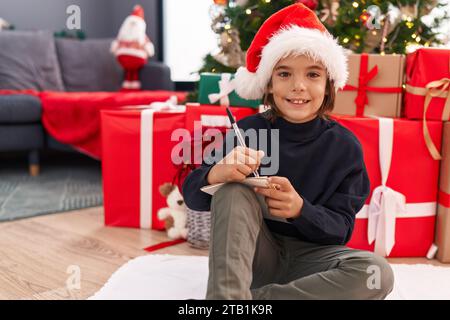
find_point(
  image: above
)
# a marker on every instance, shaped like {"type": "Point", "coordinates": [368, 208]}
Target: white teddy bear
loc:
{"type": "Point", "coordinates": [175, 215]}
{"type": "Point", "coordinates": [4, 25]}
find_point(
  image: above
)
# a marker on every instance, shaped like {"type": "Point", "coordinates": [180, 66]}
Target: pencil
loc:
{"type": "Point", "coordinates": [238, 134]}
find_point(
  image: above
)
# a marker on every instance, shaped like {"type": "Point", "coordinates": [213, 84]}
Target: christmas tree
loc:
{"type": "Point", "coordinates": [359, 25]}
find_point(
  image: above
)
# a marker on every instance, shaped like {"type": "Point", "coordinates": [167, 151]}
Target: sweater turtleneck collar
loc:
{"type": "Point", "coordinates": [300, 132]}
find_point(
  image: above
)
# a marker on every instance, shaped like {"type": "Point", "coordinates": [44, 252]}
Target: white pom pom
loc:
{"type": "Point", "coordinates": [247, 85]}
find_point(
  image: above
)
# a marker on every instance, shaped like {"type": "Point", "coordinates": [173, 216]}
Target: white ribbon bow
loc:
{"type": "Point", "coordinates": [226, 86]}
{"type": "Point", "coordinates": [384, 206]}
{"type": "Point", "coordinates": [170, 104]}
{"type": "Point", "coordinates": [385, 203]}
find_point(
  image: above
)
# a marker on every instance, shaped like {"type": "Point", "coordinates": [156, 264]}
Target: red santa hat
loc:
{"type": "Point", "coordinates": [293, 30]}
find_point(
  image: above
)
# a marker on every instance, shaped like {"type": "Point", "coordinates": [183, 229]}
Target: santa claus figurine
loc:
{"type": "Point", "coordinates": [132, 48]}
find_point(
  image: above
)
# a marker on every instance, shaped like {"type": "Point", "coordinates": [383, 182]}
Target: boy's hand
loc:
{"type": "Point", "coordinates": [236, 166]}
{"type": "Point", "coordinates": [284, 201]}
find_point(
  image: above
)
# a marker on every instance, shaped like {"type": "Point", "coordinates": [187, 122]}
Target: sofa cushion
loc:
{"type": "Point", "coordinates": [88, 65]}
{"type": "Point", "coordinates": [19, 109]}
{"type": "Point", "coordinates": [21, 137]}
{"type": "Point", "coordinates": [155, 75]}
{"type": "Point", "coordinates": [28, 61]}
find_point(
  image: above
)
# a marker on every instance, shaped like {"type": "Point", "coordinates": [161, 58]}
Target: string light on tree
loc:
{"type": "Point", "coordinates": [364, 17]}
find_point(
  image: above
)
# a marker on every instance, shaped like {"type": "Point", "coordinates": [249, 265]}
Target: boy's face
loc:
{"type": "Point", "coordinates": [298, 87]}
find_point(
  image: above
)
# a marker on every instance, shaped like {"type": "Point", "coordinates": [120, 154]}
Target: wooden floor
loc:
{"type": "Point", "coordinates": [38, 256]}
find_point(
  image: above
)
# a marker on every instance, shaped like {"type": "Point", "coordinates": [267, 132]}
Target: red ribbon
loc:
{"type": "Point", "coordinates": [444, 199]}
{"type": "Point", "coordinates": [364, 77]}
{"type": "Point", "coordinates": [164, 244]}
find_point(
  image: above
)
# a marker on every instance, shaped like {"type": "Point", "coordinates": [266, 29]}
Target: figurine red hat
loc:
{"type": "Point", "coordinates": [293, 30]}
{"type": "Point", "coordinates": [138, 11]}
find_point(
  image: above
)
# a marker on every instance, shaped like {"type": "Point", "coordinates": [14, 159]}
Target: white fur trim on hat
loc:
{"type": "Point", "coordinates": [246, 84]}
{"type": "Point", "coordinates": [318, 45]}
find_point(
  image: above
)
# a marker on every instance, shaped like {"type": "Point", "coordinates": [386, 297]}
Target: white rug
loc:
{"type": "Point", "coordinates": [169, 277]}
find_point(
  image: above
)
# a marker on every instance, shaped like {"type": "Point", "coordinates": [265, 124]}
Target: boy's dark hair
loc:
{"type": "Point", "coordinates": [326, 107]}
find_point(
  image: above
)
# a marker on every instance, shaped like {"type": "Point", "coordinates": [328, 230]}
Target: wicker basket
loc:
{"type": "Point", "coordinates": [198, 224]}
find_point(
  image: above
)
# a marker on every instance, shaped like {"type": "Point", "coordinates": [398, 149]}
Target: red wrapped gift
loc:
{"type": "Point", "coordinates": [200, 118]}
{"type": "Point", "coordinates": [136, 160]}
{"type": "Point", "coordinates": [442, 238]}
{"type": "Point", "coordinates": [428, 73]}
{"type": "Point", "coordinates": [398, 218]}
{"type": "Point", "coordinates": [214, 116]}
{"type": "Point", "coordinates": [427, 88]}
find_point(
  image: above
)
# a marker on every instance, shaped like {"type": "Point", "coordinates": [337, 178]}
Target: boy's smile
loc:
{"type": "Point", "coordinates": [298, 87]}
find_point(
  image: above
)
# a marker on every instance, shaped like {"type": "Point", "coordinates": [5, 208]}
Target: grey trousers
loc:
{"type": "Point", "coordinates": [248, 261]}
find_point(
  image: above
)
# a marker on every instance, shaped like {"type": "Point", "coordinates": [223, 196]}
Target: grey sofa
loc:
{"type": "Point", "coordinates": [38, 61]}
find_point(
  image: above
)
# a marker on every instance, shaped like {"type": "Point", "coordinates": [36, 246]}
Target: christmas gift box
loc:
{"type": "Point", "coordinates": [217, 89]}
{"type": "Point", "coordinates": [214, 116]}
{"type": "Point", "coordinates": [442, 239]}
{"type": "Point", "coordinates": [398, 219]}
{"type": "Point", "coordinates": [137, 159]}
{"type": "Point", "coordinates": [374, 86]}
{"type": "Point", "coordinates": [427, 84]}
{"type": "Point", "coordinates": [427, 88]}
{"type": "Point", "coordinates": [200, 118]}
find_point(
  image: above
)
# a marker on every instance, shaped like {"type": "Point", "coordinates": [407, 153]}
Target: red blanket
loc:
{"type": "Point", "coordinates": [29, 92]}
{"type": "Point", "coordinates": [74, 117]}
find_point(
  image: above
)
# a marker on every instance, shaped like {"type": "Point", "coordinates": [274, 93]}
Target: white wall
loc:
{"type": "Point", "coordinates": [187, 36]}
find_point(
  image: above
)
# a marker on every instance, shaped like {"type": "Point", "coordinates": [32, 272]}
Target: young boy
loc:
{"type": "Point", "coordinates": [289, 242]}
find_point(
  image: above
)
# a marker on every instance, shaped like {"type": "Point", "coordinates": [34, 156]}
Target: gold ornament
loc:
{"type": "Point", "coordinates": [217, 21]}
{"type": "Point", "coordinates": [427, 7]}
{"type": "Point", "coordinates": [241, 3]}
{"type": "Point", "coordinates": [231, 54]}
{"type": "Point", "coordinates": [409, 11]}
{"type": "Point", "coordinates": [329, 12]}
{"type": "Point", "coordinates": [372, 40]}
